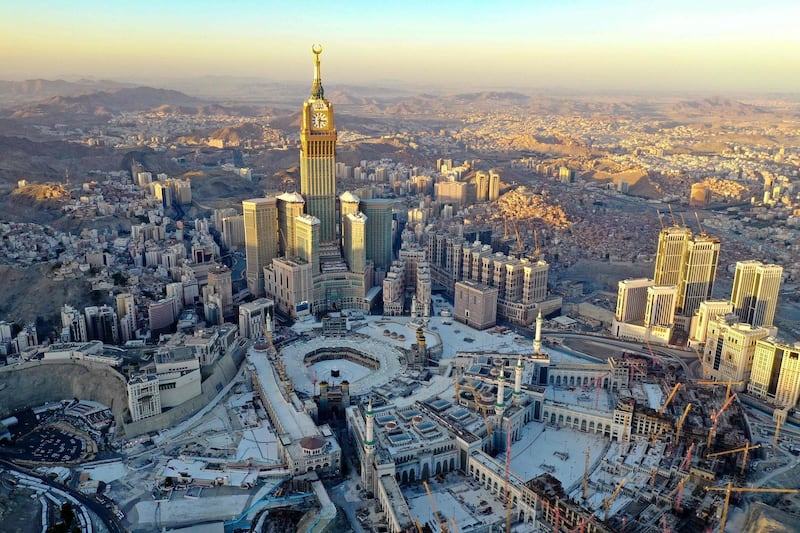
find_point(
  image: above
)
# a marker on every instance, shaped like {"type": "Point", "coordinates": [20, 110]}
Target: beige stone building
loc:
{"type": "Point", "coordinates": [476, 304]}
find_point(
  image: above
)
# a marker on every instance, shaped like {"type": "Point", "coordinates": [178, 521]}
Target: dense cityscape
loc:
{"type": "Point", "coordinates": [471, 312]}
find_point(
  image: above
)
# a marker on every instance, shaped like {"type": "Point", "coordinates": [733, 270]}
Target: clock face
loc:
{"type": "Point", "coordinates": [319, 120]}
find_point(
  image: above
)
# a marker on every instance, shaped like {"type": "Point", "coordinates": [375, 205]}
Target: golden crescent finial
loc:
{"type": "Point", "coordinates": [316, 48]}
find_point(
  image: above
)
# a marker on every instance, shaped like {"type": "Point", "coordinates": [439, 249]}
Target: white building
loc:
{"type": "Point", "coordinates": [144, 399]}
{"type": "Point", "coordinates": [730, 348]}
{"type": "Point", "coordinates": [178, 374]}
{"type": "Point", "coordinates": [256, 317]}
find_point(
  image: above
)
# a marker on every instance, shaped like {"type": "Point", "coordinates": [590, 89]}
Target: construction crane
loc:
{"type": "Point", "coordinates": [597, 381]}
{"type": "Point", "coordinates": [607, 502]}
{"type": "Point", "coordinates": [634, 367]}
{"type": "Point", "coordinates": [442, 524]}
{"type": "Point", "coordinates": [520, 246]}
{"type": "Point", "coordinates": [681, 421]}
{"type": "Point", "coordinates": [536, 250]}
{"type": "Point", "coordinates": [580, 527]}
{"type": "Point", "coordinates": [508, 476]}
{"type": "Point", "coordinates": [679, 491]}
{"type": "Point", "coordinates": [700, 226]}
{"type": "Point", "coordinates": [715, 416]}
{"type": "Point", "coordinates": [730, 488]}
{"type": "Point", "coordinates": [586, 476]}
{"type": "Point", "coordinates": [779, 416]}
{"type": "Point", "coordinates": [746, 449]}
{"type": "Point", "coordinates": [687, 461]}
{"type": "Point", "coordinates": [653, 356]}
{"type": "Point", "coordinates": [482, 408]}
{"type": "Point", "coordinates": [728, 383]}
{"type": "Point", "coordinates": [670, 397]}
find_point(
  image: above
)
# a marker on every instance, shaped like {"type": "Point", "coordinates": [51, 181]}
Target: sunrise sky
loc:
{"type": "Point", "coordinates": [699, 45]}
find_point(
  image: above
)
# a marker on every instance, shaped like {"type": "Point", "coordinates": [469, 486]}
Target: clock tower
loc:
{"type": "Point", "coordinates": [318, 156]}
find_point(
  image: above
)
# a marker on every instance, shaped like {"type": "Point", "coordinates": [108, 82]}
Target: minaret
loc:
{"type": "Point", "coordinates": [537, 339]}
{"type": "Point", "coordinates": [500, 406]}
{"type": "Point", "coordinates": [518, 381]}
{"type": "Point", "coordinates": [369, 448]}
{"type": "Point", "coordinates": [369, 439]}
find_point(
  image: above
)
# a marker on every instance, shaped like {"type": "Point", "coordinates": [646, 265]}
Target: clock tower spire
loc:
{"type": "Point", "coordinates": [318, 156]}
{"type": "Point", "coordinates": [316, 88]}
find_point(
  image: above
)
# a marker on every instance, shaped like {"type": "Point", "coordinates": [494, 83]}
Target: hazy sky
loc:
{"type": "Point", "coordinates": [695, 45]}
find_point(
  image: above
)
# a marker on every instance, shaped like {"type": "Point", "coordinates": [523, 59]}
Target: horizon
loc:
{"type": "Point", "coordinates": [620, 46]}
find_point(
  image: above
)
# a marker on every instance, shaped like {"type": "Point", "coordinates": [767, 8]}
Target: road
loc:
{"type": "Point", "coordinates": [109, 518]}
{"type": "Point", "coordinates": [687, 360]}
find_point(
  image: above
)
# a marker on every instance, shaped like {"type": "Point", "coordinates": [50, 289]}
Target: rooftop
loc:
{"type": "Point", "coordinates": [296, 424]}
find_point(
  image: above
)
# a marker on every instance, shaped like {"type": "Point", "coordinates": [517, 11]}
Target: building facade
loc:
{"type": "Point", "coordinates": [730, 349]}
{"type": "Point", "coordinates": [378, 212]}
{"type": "Point", "coordinates": [755, 292]}
{"type": "Point", "coordinates": [261, 239]}
{"type": "Point", "coordinates": [775, 375]}
{"type": "Point", "coordinates": [476, 304]}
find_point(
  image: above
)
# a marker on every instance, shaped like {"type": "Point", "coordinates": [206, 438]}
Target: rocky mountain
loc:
{"type": "Point", "coordinates": [716, 106]}
{"type": "Point", "coordinates": [16, 92]}
{"type": "Point", "coordinates": [104, 103]}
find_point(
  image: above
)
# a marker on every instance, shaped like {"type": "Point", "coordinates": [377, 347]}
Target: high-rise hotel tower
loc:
{"type": "Point", "coordinates": [318, 156]}
{"type": "Point", "coordinates": [689, 263]}
{"type": "Point", "coordinates": [755, 292]}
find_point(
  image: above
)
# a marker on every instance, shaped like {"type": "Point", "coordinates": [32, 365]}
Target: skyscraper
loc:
{"type": "Point", "coordinates": [355, 245]}
{"type": "Point", "coordinates": [481, 186]}
{"type": "Point", "coordinates": [73, 324]}
{"type": "Point", "coordinates": [775, 375]}
{"type": "Point", "coordinates": [632, 299]}
{"type": "Point", "coordinates": [698, 277]}
{"type": "Point", "coordinates": [260, 238]}
{"type": "Point", "coordinates": [318, 156]}
{"type": "Point", "coordinates": [219, 278]}
{"type": "Point", "coordinates": [102, 324]}
{"type": "Point", "coordinates": [730, 348]}
{"type": "Point", "coordinates": [670, 257]}
{"type": "Point", "coordinates": [290, 206]}
{"type": "Point", "coordinates": [307, 228]}
{"type": "Point", "coordinates": [126, 312]}
{"type": "Point", "coordinates": [660, 309]}
{"type": "Point", "coordinates": [689, 263]}
{"type": "Point", "coordinates": [379, 231]}
{"type": "Point", "coordinates": [755, 292]}
{"type": "Point", "coordinates": [494, 185]}
{"type": "Point", "coordinates": [348, 203]}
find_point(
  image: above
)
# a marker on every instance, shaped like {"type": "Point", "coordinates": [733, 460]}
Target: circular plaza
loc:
{"type": "Point", "coordinates": [363, 362]}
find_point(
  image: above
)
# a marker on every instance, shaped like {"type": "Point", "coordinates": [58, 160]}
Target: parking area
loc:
{"type": "Point", "coordinates": [49, 444]}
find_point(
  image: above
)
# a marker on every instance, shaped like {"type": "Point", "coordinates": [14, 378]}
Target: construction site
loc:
{"type": "Point", "coordinates": [553, 440]}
